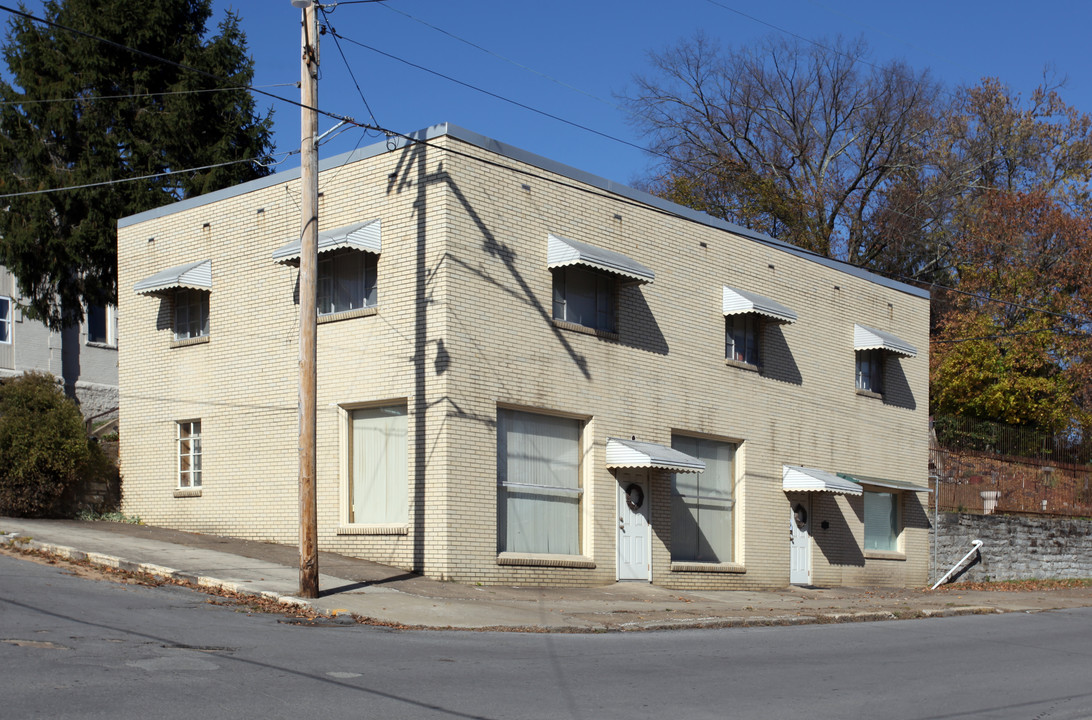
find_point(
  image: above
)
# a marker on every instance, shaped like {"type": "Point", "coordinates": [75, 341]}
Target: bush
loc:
{"type": "Point", "coordinates": [43, 445]}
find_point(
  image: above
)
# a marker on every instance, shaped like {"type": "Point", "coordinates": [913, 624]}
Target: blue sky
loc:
{"type": "Point", "coordinates": [597, 46]}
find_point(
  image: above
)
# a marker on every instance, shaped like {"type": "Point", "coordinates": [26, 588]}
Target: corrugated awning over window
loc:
{"type": "Point", "coordinates": [802, 479]}
{"type": "Point", "coordinates": [737, 302]}
{"type": "Point", "coordinates": [866, 338]}
{"type": "Point", "coordinates": [196, 275]}
{"type": "Point", "coordinates": [885, 483]}
{"type": "Point", "coordinates": [363, 236]}
{"type": "Point", "coordinates": [561, 252]}
{"type": "Point", "coordinates": [638, 454]}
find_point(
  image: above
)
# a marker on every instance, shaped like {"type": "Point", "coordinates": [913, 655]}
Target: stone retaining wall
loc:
{"type": "Point", "coordinates": [1015, 547]}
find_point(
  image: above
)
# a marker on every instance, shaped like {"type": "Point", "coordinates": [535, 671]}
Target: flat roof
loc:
{"type": "Point", "coordinates": [528, 158]}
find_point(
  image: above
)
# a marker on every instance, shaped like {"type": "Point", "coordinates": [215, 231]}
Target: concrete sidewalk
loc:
{"type": "Point", "coordinates": [389, 595]}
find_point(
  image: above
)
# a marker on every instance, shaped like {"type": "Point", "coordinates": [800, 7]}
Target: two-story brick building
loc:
{"type": "Point", "coordinates": [526, 374]}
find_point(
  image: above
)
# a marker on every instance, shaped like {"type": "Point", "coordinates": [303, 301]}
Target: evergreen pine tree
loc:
{"type": "Point", "coordinates": [63, 124]}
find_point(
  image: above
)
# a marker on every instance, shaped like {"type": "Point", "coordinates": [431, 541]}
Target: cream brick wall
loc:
{"type": "Point", "coordinates": [464, 325]}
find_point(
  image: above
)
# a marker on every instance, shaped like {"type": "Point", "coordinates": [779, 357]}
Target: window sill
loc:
{"type": "Point", "coordinates": [393, 529]}
{"type": "Point", "coordinates": [544, 560]}
{"type": "Point", "coordinates": [884, 555]}
{"type": "Point", "coordinates": [705, 567]}
{"type": "Point", "coordinates": [104, 346]}
{"type": "Point", "coordinates": [348, 315]}
{"type": "Point", "coordinates": [585, 330]}
{"type": "Point", "coordinates": [742, 365]}
{"type": "Point", "coordinates": [190, 341]}
{"type": "Point", "coordinates": [870, 394]}
{"type": "Point", "coordinates": [187, 492]}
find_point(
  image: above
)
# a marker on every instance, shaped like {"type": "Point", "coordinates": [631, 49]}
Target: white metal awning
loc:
{"type": "Point", "coordinates": [866, 338]}
{"type": "Point", "coordinates": [802, 479]}
{"type": "Point", "coordinates": [364, 236]}
{"type": "Point", "coordinates": [196, 275]}
{"type": "Point", "coordinates": [885, 483]}
{"type": "Point", "coordinates": [638, 454]}
{"type": "Point", "coordinates": [561, 252]}
{"type": "Point", "coordinates": [737, 302]}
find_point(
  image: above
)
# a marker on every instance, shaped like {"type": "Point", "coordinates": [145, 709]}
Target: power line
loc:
{"type": "Point", "coordinates": [173, 63]}
{"type": "Point", "coordinates": [391, 133]}
{"type": "Point", "coordinates": [494, 95]}
{"type": "Point", "coordinates": [118, 181]}
{"type": "Point", "coordinates": [502, 57]}
{"type": "Point", "coordinates": [337, 43]}
{"type": "Point", "coordinates": [86, 98]}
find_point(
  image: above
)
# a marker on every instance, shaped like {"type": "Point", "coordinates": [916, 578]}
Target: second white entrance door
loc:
{"type": "Point", "coordinates": [800, 542]}
{"type": "Point", "coordinates": [634, 540]}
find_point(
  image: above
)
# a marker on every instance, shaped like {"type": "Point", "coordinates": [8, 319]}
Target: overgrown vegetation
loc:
{"type": "Point", "coordinates": [44, 449]}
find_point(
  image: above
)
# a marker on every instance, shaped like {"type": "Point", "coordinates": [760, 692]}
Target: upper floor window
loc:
{"type": "Point", "coordinates": [586, 281]}
{"type": "Point", "coordinates": [744, 315]}
{"type": "Point", "coordinates": [5, 319]}
{"type": "Point", "coordinates": [346, 281]}
{"type": "Point", "coordinates": [187, 288]}
{"type": "Point", "coordinates": [348, 261]}
{"type": "Point", "coordinates": [872, 348]}
{"type": "Point", "coordinates": [741, 338]}
{"type": "Point", "coordinates": [586, 297]}
{"type": "Point", "coordinates": [870, 370]}
{"type": "Point", "coordinates": [102, 324]}
{"type": "Point", "coordinates": [191, 314]}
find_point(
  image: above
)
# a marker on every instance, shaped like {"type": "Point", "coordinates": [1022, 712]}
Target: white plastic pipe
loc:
{"type": "Point", "coordinates": [955, 568]}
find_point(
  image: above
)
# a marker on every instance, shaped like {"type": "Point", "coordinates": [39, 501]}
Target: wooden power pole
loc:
{"type": "Point", "coordinates": [309, 573]}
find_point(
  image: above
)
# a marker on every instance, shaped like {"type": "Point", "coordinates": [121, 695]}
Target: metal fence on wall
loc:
{"type": "Point", "coordinates": [986, 468]}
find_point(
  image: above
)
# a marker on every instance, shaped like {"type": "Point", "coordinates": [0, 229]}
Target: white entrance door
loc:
{"type": "Point", "coordinates": [800, 539]}
{"type": "Point", "coordinates": [634, 560]}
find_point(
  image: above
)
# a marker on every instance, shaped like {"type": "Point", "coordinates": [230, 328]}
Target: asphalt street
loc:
{"type": "Point", "coordinates": [77, 648]}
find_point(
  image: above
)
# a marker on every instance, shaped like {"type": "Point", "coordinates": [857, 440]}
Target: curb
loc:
{"type": "Point", "coordinates": [161, 571]}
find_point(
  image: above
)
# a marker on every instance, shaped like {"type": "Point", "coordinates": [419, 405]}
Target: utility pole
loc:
{"type": "Point", "coordinates": [309, 574]}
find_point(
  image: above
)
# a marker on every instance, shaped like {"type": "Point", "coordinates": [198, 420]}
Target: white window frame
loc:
{"type": "Point", "coordinates": [110, 316]}
{"type": "Point", "coordinates": [691, 502]}
{"type": "Point", "coordinates": [868, 370]}
{"type": "Point", "coordinates": [605, 300]}
{"type": "Point", "coordinates": [569, 486]}
{"type": "Point", "coordinates": [189, 459]}
{"type": "Point", "coordinates": [892, 524]}
{"type": "Point", "coordinates": [365, 295]}
{"type": "Point", "coordinates": [184, 303]}
{"type": "Point", "coordinates": [6, 320]}
{"type": "Point", "coordinates": [397, 520]}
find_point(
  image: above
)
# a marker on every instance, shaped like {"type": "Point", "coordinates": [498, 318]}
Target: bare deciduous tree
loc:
{"type": "Point", "coordinates": [811, 143]}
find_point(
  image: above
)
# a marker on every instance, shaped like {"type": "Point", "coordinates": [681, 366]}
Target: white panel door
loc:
{"type": "Point", "coordinates": [634, 559]}
{"type": "Point", "coordinates": [800, 541]}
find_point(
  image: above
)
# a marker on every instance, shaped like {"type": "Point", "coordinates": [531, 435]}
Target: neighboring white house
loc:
{"type": "Point", "coordinates": [84, 357]}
